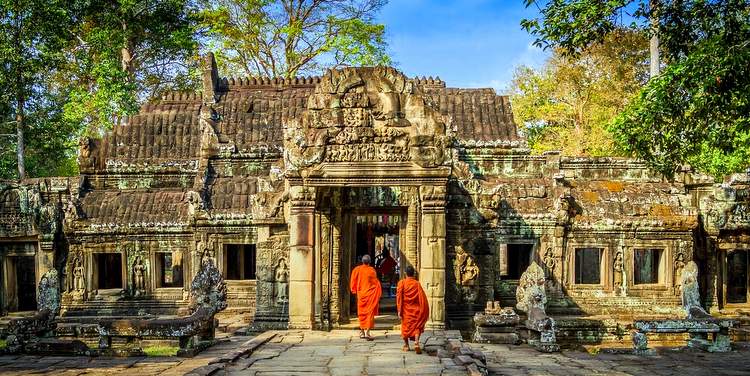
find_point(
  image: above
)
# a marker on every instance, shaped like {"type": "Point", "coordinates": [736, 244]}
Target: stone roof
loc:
{"type": "Point", "coordinates": [140, 208]}
{"type": "Point", "coordinates": [233, 193]}
{"type": "Point", "coordinates": [167, 129]}
{"type": "Point", "coordinates": [600, 201]}
{"type": "Point", "coordinates": [251, 113]}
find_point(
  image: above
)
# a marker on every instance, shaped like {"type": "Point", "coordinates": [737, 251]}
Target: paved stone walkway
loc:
{"type": "Point", "coordinates": [11, 365]}
{"type": "Point", "coordinates": [341, 352]}
{"type": "Point", "coordinates": [523, 360]}
{"type": "Point", "coordinates": [338, 353]}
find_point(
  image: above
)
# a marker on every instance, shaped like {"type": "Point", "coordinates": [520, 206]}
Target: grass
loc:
{"type": "Point", "coordinates": [3, 344]}
{"type": "Point", "coordinates": [161, 350]}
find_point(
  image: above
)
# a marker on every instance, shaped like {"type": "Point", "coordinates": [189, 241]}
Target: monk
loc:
{"type": "Point", "coordinates": [413, 310]}
{"type": "Point", "coordinates": [365, 284]}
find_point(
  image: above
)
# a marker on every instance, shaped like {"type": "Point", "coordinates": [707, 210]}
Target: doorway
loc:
{"type": "Point", "coordinates": [379, 236]}
{"type": "Point", "coordinates": [737, 268]}
{"type": "Point", "coordinates": [26, 283]}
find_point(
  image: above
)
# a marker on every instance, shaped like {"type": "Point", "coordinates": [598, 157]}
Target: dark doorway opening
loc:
{"type": "Point", "coordinates": [109, 270]}
{"type": "Point", "coordinates": [737, 277]}
{"type": "Point", "coordinates": [519, 259]}
{"type": "Point", "coordinates": [26, 283]}
{"type": "Point", "coordinates": [240, 262]}
{"type": "Point", "coordinates": [378, 235]}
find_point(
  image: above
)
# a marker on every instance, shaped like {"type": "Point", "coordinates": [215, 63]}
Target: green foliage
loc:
{"type": "Point", "coordinates": [289, 38]}
{"type": "Point", "coordinates": [125, 52]}
{"type": "Point", "coordinates": [567, 104]}
{"type": "Point", "coordinates": [32, 37]}
{"type": "Point", "coordinates": [161, 350]}
{"type": "Point", "coordinates": [697, 110]}
{"type": "Point", "coordinates": [81, 67]}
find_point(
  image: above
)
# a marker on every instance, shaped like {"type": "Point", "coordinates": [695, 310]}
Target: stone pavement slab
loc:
{"type": "Point", "coordinates": [337, 353]}
{"type": "Point", "coordinates": [523, 361]}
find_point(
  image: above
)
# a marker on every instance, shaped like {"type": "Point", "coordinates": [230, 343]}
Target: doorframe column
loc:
{"type": "Point", "coordinates": [432, 252]}
{"type": "Point", "coordinates": [301, 258]}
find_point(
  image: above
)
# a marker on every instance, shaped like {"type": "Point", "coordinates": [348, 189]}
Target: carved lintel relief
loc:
{"type": "Point", "coordinates": [366, 114]}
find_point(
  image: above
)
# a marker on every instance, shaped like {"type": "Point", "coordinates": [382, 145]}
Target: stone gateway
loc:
{"type": "Point", "coordinates": [284, 184]}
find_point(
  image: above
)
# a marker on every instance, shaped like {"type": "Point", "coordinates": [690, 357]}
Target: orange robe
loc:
{"type": "Point", "coordinates": [411, 302]}
{"type": "Point", "coordinates": [365, 284]}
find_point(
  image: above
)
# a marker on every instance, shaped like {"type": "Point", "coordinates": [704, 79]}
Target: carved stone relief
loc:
{"type": "Point", "coordinates": [366, 114]}
{"type": "Point", "coordinates": [618, 270]}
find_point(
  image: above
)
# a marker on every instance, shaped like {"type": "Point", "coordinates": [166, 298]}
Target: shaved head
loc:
{"type": "Point", "coordinates": [410, 271]}
{"type": "Point", "coordinates": [366, 259]}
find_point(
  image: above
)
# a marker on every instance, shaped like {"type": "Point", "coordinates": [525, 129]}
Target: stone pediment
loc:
{"type": "Point", "coordinates": [367, 119]}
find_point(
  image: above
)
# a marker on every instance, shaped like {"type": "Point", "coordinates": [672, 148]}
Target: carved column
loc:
{"type": "Point", "coordinates": [336, 291]}
{"type": "Point", "coordinates": [412, 227]}
{"type": "Point", "coordinates": [301, 268]}
{"type": "Point", "coordinates": [432, 253]}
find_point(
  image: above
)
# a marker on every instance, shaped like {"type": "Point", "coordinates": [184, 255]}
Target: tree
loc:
{"type": "Point", "coordinates": [31, 37]}
{"type": "Point", "coordinates": [567, 104]}
{"type": "Point", "coordinates": [287, 38]}
{"type": "Point", "coordinates": [124, 52]}
{"type": "Point", "coordinates": [697, 110]}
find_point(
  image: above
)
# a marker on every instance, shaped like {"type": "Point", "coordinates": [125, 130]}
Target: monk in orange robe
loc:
{"type": "Point", "coordinates": [365, 284]}
{"type": "Point", "coordinates": [413, 309]}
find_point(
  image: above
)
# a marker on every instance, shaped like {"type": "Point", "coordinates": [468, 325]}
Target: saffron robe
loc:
{"type": "Point", "coordinates": [364, 282]}
{"type": "Point", "coordinates": [411, 302]}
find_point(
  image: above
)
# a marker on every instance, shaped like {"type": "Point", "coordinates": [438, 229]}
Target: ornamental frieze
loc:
{"type": "Point", "coordinates": [367, 114]}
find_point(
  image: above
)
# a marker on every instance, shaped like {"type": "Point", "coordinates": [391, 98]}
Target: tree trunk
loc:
{"type": "Point", "coordinates": [19, 136]}
{"type": "Point", "coordinates": [654, 42]}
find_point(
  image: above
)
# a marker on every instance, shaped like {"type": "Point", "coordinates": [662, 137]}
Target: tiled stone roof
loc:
{"type": "Point", "coordinates": [137, 207]}
{"type": "Point", "coordinates": [253, 113]}
{"type": "Point", "coordinates": [167, 129]}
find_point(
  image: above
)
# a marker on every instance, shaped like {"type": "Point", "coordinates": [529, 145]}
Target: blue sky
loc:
{"type": "Point", "coordinates": [470, 43]}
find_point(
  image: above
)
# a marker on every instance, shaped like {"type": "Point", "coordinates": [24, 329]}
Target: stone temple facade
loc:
{"type": "Point", "coordinates": [285, 183]}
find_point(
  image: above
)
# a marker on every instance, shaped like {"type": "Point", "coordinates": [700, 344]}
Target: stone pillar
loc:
{"type": "Point", "coordinates": [412, 227]}
{"type": "Point", "coordinates": [301, 258]}
{"type": "Point", "coordinates": [336, 290]}
{"type": "Point", "coordinates": [432, 253]}
{"type": "Point", "coordinates": [45, 256]}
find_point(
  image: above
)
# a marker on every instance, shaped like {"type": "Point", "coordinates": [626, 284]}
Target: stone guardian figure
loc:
{"type": "Point", "coordinates": [79, 283]}
{"type": "Point", "coordinates": [281, 282]}
{"type": "Point", "coordinates": [618, 267]}
{"type": "Point", "coordinates": [139, 278]}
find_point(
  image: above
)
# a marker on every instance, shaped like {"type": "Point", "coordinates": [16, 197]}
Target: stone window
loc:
{"type": "Point", "coordinates": [647, 263]}
{"type": "Point", "coordinates": [737, 277]}
{"type": "Point", "coordinates": [169, 269]}
{"type": "Point", "coordinates": [519, 258]}
{"type": "Point", "coordinates": [108, 270]}
{"type": "Point", "coordinates": [588, 266]}
{"type": "Point", "coordinates": [239, 261]}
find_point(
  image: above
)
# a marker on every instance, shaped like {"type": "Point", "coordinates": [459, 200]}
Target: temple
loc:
{"type": "Point", "coordinates": [285, 183]}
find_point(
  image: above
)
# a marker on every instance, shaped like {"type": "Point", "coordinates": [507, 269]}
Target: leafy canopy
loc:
{"type": "Point", "coordinates": [567, 104]}
{"type": "Point", "coordinates": [697, 111]}
{"type": "Point", "coordinates": [288, 38]}
{"type": "Point", "coordinates": [32, 36]}
{"type": "Point", "coordinates": [125, 52]}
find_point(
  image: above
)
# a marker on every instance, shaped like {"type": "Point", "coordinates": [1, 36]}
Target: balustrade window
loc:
{"type": "Point", "coordinates": [169, 269]}
{"type": "Point", "coordinates": [588, 266]}
{"type": "Point", "coordinates": [647, 263]}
